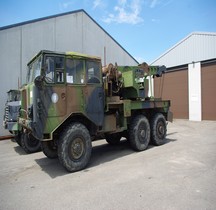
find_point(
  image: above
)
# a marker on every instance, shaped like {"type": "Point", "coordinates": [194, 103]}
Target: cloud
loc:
{"type": "Point", "coordinates": [162, 3]}
{"type": "Point", "coordinates": [64, 6]}
{"type": "Point", "coordinates": [126, 11]}
{"type": "Point", "coordinates": [155, 20]}
{"type": "Point", "coordinates": [97, 3]}
{"type": "Point", "coordinates": [153, 3]}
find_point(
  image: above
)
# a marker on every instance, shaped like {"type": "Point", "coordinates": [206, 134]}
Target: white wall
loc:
{"type": "Point", "coordinates": [194, 88]}
{"type": "Point", "coordinates": [72, 32]}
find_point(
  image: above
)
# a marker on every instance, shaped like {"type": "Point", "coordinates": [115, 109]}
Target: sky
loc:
{"type": "Point", "coordinates": [144, 28]}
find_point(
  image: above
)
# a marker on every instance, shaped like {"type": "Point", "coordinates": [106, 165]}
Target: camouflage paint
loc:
{"type": "Point", "coordinates": [54, 103]}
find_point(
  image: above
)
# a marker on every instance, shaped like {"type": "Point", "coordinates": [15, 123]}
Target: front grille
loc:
{"type": "Point", "coordinates": [6, 113]}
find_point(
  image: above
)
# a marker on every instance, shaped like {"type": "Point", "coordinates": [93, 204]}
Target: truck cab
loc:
{"type": "Point", "coordinates": [59, 86]}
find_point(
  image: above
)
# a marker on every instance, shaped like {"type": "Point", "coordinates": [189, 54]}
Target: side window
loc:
{"type": "Point", "coordinates": [50, 69]}
{"type": "Point", "coordinates": [59, 65]}
{"type": "Point", "coordinates": [93, 72]}
{"type": "Point", "coordinates": [54, 67]}
{"type": "Point", "coordinates": [74, 71]}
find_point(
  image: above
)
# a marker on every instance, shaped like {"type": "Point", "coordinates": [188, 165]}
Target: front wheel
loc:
{"type": "Point", "coordinates": [74, 149]}
{"type": "Point", "coordinates": [139, 133]}
{"type": "Point", "coordinates": [29, 143]}
{"type": "Point", "coordinates": [158, 129]}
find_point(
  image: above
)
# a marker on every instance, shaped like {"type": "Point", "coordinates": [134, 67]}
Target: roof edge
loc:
{"type": "Point", "coordinates": [181, 41]}
{"type": "Point", "coordinates": [182, 66]}
{"type": "Point", "coordinates": [41, 19]}
{"type": "Point", "coordinates": [63, 14]}
{"type": "Point", "coordinates": [110, 36]}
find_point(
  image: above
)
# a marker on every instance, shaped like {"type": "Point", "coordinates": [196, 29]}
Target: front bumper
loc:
{"type": "Point", "coordinates": [11, 126]}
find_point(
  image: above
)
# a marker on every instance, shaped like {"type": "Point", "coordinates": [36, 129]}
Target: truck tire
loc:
{"type": "Point", "coordinates": [29, 143]}
{"type": "Point", "coordinates": [113, 139]}
{"type": "Point", "coordinates": [74, 149]}
{"type": "Point", "coordinates": [139, 133]}
{"type": "Point", "coordinates": [18, 139]}
{"type": "Point", "coordinates": [158, 129]}
{"type": "Point", "coordinates": [49, 149]}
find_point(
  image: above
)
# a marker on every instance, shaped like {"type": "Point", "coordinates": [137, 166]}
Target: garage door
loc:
{"type": "Point", "coordinates": [174, 86]}
{"type": "Point", "coordinates": [208, 88]}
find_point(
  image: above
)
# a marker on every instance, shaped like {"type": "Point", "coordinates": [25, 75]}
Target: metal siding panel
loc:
{"type": "Point", "coordinates": [174, 86]}
{"type": "Point", "coordinates": [10, 66]}
{"type": "Point", "coordinates": [208, 87]}
{"type": "Point", "coordinates": [93, 38]}
{"type": "Point", "coordinates": [69, 33]}
{"type": "Point", "coordinates": [35, 37]}
{"type": "Point", "coordinates": [196, 47]}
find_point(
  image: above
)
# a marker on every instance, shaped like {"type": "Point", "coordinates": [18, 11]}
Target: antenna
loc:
{"type": "Point", "coordinates": [104, 56]}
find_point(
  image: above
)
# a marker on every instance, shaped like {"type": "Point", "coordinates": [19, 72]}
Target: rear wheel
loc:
{"type": "Point", "coordinates": [139, 133]}
{"type": "Point", "coordinates": [49, 149]}
{"type": "Point", "coordinates": [29, 143]}
{"type": "Point", "coordinates": [113, 139]}
{"type": "Point", "coordinates": [158, 129]}
{"type": "Point", "coordinates": [74, 149]}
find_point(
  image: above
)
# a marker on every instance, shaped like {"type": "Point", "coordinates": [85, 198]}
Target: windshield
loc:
{"type": "Point", "coordinates": [34, 70]}
{"type": "Point", "coordinates": [14, 95]}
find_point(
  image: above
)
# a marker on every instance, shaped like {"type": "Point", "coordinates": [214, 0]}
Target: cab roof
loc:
{"type": "Point", "coordinates": [73, 54]}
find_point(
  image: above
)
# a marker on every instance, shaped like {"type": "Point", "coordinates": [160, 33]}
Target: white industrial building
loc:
{"type": "Point", "coordinates": [72, 31]}
{"type": "Point", "coordinates": [190, 81]}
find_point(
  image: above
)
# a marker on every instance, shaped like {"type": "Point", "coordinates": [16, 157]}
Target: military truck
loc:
{"type": "Point", "coordinates": [70, 100]}
{"type": "Point", "coordinates": [10, 123]}
{"type": "Point", "coordinates": [11, 113]}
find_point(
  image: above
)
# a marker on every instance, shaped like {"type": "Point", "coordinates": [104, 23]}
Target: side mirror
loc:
{"type": "Point", "coordinates": [39, 81]}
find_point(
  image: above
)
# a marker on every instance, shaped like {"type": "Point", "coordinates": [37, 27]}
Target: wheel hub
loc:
{"type": "Point", "coordinates": [142, 133]}
{"type": "Point", "coordinates": [161, 129]}
{"type": "Point", "coordinates": [77, 148]}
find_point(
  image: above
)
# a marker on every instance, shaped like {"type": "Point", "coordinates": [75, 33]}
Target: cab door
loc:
{"type": "Point", "coordinates": [94, 93]}
{"type": "Point", "coordinates": [55, 91]}
{"type": "Point", "coordinates": [50, 99]}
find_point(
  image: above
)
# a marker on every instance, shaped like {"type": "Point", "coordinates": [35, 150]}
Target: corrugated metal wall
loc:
{"type": "Point", "coordinates": [174, 86]}
{"type": "Point", "coordinates": [208, 87]}
{"type": "Point", "coordinates": [71, 32]}
{"type": "Point", "coordinates": [196, 47]}
{"type": "Point", "coordinates": [191, 90]}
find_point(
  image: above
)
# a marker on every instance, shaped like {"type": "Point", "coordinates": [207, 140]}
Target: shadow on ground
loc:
{"type": "Point", "coordinates": [101, 154]}
{"type": "Point", "coordinates": [19, 150]}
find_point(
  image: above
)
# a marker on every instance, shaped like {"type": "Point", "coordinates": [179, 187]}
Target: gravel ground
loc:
{"type": "Point", "coordinates": [177, 175]}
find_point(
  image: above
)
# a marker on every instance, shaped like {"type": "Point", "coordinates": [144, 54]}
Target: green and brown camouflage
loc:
{"type": "Point", "coordinates": [71, 87]}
